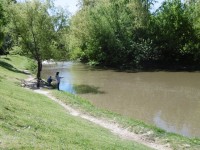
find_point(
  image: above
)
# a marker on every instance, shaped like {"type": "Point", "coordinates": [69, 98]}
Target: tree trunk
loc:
{"type": "Point", "coordinates": [39, 73]}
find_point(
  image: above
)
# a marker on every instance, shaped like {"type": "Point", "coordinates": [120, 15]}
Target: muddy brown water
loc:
{"type": "Point", "coordinates": [169, 100]}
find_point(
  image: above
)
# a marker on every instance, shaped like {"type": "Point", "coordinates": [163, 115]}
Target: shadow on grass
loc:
{"type": "Point", "coordinates": [10, 67]}
{"type": "Point", "coordinates": [7, 58]}
{"type": "Point", "coordinates": [32, 84]}
{"type": "Point", "coordinates": [86, 89]}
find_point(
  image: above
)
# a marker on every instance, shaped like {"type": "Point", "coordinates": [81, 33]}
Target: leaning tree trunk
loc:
{"type": "Point", "coordinates": [39, 73]}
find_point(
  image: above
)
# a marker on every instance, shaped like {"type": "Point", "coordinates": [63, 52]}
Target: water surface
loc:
{"type": "Point", "coordinates": [169, 100]}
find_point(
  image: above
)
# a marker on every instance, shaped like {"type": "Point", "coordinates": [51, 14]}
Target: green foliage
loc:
{"type": "Point", "coordinates": [172, 32]}
{"type": "Point", "coordinates": [6, 41]}
{"type": "Point", "coordinates": [32, 27]}
{"type": "Point", "coordinates": [194, 11]}
{"type": "Point", "coordinates": [109, 33]}
{"type": "Point", "coordinates": [2, 23]}
{"type": "Point", "coordinates": [36, 28]}
{"type": "Point", "coordinates": [121, 33]}
{"type": "Point", "coordinates": [61, 36]}
{"type": "Point", "coordinates": [115, 33]}
{"type": "Point", "coordinates": [32, 66]}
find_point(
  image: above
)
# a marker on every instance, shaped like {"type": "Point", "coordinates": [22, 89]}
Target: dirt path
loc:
{"type": "Point", "coordinates": [113, 127]}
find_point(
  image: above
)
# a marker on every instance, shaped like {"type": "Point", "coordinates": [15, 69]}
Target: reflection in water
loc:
{"type": "Point", "coordinates": [159, 122]}
{"type": "Point", "coordinates": [64, 86]}
{"type": "Point", "coordinates": [169, 100]}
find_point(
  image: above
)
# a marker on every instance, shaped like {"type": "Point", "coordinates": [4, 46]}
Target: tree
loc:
{"type": "Point", "coordinates": [35, 26]}
{"type": "Point", "coordinates": [109, 32]}
{"type": "Point", "coordinates": [172, 32]}
{"type": "Point", "coordinates": [5, 38]}
{"type": "Point", "coordinates": [2, 23]}
{"type": "Point", "coordinates": [194, 11]}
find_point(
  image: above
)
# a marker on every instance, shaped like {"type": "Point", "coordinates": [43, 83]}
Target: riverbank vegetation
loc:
{"type": "Point", "coordinates": [129, 34]}
{"type": "Point", "coordinates": [111, 33]}
{"type": "Point", "coordinates": [32, 121]}
{"type": "Point", "coordinates": [36, 29]}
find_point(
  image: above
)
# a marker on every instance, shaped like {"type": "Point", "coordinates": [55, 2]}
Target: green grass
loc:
{"type": "Point", "coordinates": [32, 121]}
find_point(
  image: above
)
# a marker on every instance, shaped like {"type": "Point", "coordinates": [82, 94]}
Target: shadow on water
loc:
{"type": "Point", "coordinates": [10, 67]}
{"type": "Point", "coordinates": [85, 89]}
{"type": "Point", "coordinates": [153, 70]}
{"type": "Point", "coordinates": [170, 68]}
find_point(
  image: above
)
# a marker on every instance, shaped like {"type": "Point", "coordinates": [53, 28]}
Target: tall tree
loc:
{"type": "Point", "coordinates": [108, 32]}
{"type": "Point", "coordinates": [5, 38]}
{"type": "Point", "coordinates": [2, 23]}
{"type": "Point", "coordinates": [35, 26]}
{"type": "Point", "coordinates": [172, 32]}
{"type": "Point", "coordinates": [194, 12]}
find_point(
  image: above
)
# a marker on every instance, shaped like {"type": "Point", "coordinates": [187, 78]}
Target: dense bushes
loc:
{"type": "Point", "coordinates": [122, 34]}
{"type": "Point", "coordinates": [125, 33]}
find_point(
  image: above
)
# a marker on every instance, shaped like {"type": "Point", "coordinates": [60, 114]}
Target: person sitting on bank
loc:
{"type": "Point", "coordinates": [49, 80]}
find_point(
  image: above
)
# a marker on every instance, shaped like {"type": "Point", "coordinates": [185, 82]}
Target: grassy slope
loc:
{"type": "Point", "coordinates": [32, 121]}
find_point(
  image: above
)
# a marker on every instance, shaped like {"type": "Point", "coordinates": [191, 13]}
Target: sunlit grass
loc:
{"type": "Point", "coordinates": [12, 67]}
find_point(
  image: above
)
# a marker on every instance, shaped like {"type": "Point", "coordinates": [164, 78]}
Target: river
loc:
{"type": "Point", "coordinates": [169, 100]}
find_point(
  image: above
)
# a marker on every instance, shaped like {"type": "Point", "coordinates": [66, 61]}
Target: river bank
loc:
{"type": "Point", "coordinates": [112, 126]}
{"type": "Point", "coordinates": [148, 133]}
{"type": "Point", "coordinates": [39, 108]}
{"type": "Point", "coordinates": [168, 100]}
{"type": "Point", "coordinates": [29, 120]}
{"type": "Point", "coordinates": [88, 86]}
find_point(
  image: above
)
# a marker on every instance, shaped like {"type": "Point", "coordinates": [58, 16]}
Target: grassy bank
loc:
{"type": "Point", "coordinates": [32, 121]}
{"type": "Point", "coordinates": [176, 141]}
{"type": "Point", "coordinates": [153, 133]}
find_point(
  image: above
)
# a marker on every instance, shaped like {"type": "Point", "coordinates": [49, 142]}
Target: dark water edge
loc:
{"type": "Point", "coordinates": [149, 68]}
